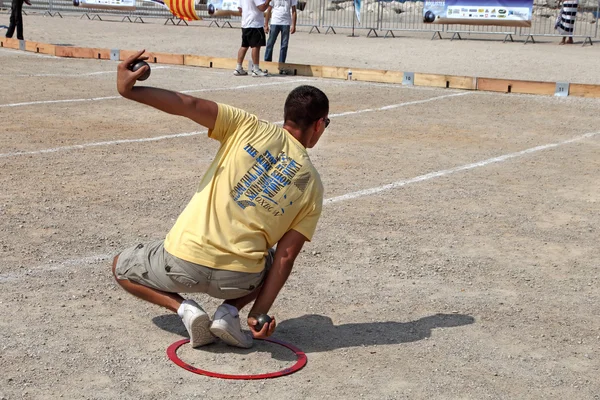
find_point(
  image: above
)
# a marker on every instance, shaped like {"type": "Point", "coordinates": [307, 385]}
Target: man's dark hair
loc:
{"type": "Point", "coordinates": [305, 105]}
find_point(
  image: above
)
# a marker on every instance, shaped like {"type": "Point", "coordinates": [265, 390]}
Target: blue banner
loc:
{"type": "Point", "coordinates": [357, 4]}
{"type": "Point", "coordinates": [479, 12]}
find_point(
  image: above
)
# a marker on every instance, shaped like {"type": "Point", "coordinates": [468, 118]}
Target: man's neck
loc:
{"type": "Point", "coordinates": [296, 133]}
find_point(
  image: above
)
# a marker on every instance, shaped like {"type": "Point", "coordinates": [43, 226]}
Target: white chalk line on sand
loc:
{"type": "Point", "coordinates": [187, 134]}
{"type": "Point", "coordinates": [30, 103]}
{"type": "Point", "coordinates": [6, 52]}
{"type": "Point", "coordinates": [438, 174]}
{"type": "Point", "coordinates": [98, 144]}
{"type": "Point", "coordinates": [393, 106]}
{"type": "Point", "coordinates": [57, 75]}
{"type": "Point", "coordinates": [84, 74]}
{"type": "Point", "coordinates": [349, 196]}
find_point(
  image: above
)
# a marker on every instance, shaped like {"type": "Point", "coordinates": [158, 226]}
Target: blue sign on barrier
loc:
{"type": "Point", "coordinates": [478, 12]}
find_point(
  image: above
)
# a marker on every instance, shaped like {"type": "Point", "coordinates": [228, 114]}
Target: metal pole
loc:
{"type": "Point", "coordinates": [379, 15]}
{"type": "Point", "coordinates": [597, 19]}
{"type": "Point", "coordinates": [353, 18]}
{"type": "Point", "coordinates": [322, 14]}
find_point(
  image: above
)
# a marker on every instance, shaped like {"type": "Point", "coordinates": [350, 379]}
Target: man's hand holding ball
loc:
{"type": "Point", "coordinates": [261, 325]}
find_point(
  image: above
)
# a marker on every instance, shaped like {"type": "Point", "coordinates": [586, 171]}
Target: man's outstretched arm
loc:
{"type": "Point", "coordinates": [204, 112]}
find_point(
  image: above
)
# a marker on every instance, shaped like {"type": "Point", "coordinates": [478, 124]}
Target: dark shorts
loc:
{"type": "Point", "coordinates": [151, 265]}
{"type": "Point", "coordinates": [253, 37]}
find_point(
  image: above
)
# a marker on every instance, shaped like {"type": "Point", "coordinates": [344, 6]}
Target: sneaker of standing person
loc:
{"type": "Point", "coordinates": [257, 72]}
{"type": "Point", "coordinates": [197, 323]}
{"type": "Point", "coordinates": [226, 326]}
{"type": "Point", "coordinates": [239, 71]}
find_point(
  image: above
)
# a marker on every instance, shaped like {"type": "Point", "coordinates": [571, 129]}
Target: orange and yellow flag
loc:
{"type": "Point", "coordinates": [184, 9]}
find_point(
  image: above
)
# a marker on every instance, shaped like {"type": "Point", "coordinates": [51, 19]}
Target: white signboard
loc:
{"type": "Point", "coordinates": [223, 8]}
{"type": "Point", "coordinates": [108, 4]}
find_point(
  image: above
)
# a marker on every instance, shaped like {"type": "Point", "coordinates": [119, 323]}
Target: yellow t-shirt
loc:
{"type": "Point", "coordinates": [260, 185]}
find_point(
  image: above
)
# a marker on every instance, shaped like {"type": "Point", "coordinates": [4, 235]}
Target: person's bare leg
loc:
{"type": "Point", "coordinates": [570, 40]}
{"type": "Point", "coordinates": [172, 301]}
{"type": "Point", "coordinates": [256, 55]}
{"type": "Point", "coordinates": [562, 41]}
{"type": "Point", "coordinates": [196, 322]}
{"type": "Point", "coordinates": [241, 54]}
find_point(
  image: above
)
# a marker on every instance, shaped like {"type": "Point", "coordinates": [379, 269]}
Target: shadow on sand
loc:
{"type": "Point", "coordinates": [317, 333]}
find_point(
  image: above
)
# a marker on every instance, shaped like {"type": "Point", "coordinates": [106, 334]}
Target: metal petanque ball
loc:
{"type": "Point", "coordinates": [139, 64]}
{"type": "Point", "coordinates": [429, 17]}
{"type": "Point", "coordinates": [262, 319]}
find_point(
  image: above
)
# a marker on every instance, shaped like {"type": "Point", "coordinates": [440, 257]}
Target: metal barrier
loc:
{"type": "Point", "coordinates": [341, 14]}
{"type": "Point", "coordinates": [144, 9]}
{"type": "Point", "coordinates": [405, 16]}
{"type": "Point", "coordinates": [507, 31]}
{"type": "Point", "coordinates": [219, 22]}
{"type": "Point", "coordinates": [544, 19]}
{"type": "Point", "coordinates": [36, 6]}
{"type": "Point", "coordinates": [376, 15]}
{"type": "Point", "coordinates": [58, 7]}
{"type": "Point", "coordinates": [310, 13]}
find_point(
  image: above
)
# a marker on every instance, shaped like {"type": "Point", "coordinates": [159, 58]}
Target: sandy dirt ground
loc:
{"type": "Point", "coordinates": [456, 257]}
{"type": "Point", "coordinates": [483, 56]}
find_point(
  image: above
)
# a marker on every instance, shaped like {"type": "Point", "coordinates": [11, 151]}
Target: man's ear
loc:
{"type": "Point", "coordinates": [317, 125]}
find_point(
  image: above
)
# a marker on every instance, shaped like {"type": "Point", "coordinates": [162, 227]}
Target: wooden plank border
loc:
{"type": "Point", "coordinates": [42, 48]}
{"type": "Point", "coordinates": [10, 43]}
{"type": "Point", "coordinates": [156, 57]}
{"type": "Point", "coordinates": [582, 90]}
{"type": "Point", "coordinates": [319, 71]}
{"type": "Point", "coordinates": [516, 86]}
{"type": "Point", "coordinates": [446, 81]}
{"type": "Point", "coordinates": [82, 52]}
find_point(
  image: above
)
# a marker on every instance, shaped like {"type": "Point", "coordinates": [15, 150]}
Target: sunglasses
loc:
{"type": "Point", "coordinates": [327, 121]}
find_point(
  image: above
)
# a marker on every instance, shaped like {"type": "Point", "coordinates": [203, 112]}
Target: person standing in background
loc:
{"type": "Point", "coordinates": [565, 22]}
{"type": "Point", "coordinates": [280, 18]}
{"type": "Point", "coordinates": [16, 19]}
{"type": "Point", "coordinates": [253, 35]}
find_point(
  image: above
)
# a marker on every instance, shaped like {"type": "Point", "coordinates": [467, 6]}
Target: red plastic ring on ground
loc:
{"type": "Point", "coordinates": [300, 363]}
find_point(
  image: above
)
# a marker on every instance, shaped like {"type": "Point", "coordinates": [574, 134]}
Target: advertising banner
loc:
{"type": "Point", "coordinates": [357, 4]}
{"type": "Point", "coordinates": [223, 8]}
{"type": "Point", "coordinates": [157, 2]}
{"type": "Point", "coordinates": [479, 12]}
{"type": "Point", "coordinates": [107, 4]}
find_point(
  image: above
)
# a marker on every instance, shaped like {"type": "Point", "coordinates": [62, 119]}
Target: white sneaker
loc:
{"type": "Point", "coordinates": [197, 323]}
{"type": "Point", "coordinates": [227, 327]}
{"type": "Point", "coordinates": [240, 72]}
{"type": "Point", "coordinates": [259, 73]}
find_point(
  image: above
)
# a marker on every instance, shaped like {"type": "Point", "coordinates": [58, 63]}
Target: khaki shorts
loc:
{"type": "Point", "coordinates": [150, 265]}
